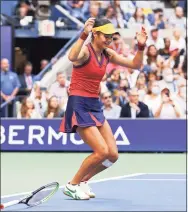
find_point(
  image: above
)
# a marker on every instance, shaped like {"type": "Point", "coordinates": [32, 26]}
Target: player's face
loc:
{"type": "Point", "coordinates": [104, 40]}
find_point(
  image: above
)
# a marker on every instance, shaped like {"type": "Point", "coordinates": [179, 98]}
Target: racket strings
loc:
{"type": "Point", "coordinates": [42, 195]}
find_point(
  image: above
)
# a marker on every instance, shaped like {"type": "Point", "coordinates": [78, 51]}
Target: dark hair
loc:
{"type": "Point", "coordinates": [150, 58]}
{"type": "Point", "coordinates": [24, 108]}
{"type": "Point", "coordinates": [50, 109]}
{"type": "Point", "coordinates": [135, 16]}
{"type": "Point", "coordinates": [28, 64]}
{"type": "Point", "coordinates": [101, 22]}
{"type": "Point", "coordinates": [117, 33]}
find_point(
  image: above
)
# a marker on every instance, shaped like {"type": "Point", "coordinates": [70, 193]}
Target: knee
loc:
{"type": "Point", "coordinates": [113, 156]}
{"type": "Point", "coordinates": [103, 153]}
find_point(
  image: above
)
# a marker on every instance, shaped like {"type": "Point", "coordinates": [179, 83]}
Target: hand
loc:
{"type": "Point", "coordinates": [142, 37]}
{"type": "Point", "coordinates": [29, 113]}
{"type": "Point", "coordinates": [5, 97]}
{"type": "Point", "coordinates": [50, 115]}
{"type": "Point", "coordinates": [134, 106]}
{"type": "Point", "coordinates": [9, 98]}
{"type": "Point", "coordinates": [89, 25]}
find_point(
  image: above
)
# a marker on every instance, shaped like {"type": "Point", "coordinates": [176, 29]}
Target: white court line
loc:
{"type": "Point", "coordinates": [93, 181]}
{"type": "Point", "coordinates": [167, 173]}
{"type": "Point", "coordinates": [154, 179]}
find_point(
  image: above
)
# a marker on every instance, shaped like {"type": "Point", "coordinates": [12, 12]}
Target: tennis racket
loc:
{"type": "Point", "coordinates": [37, 197]}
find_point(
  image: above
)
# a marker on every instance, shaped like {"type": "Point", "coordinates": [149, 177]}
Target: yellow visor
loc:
{"type": "Point", "coordinates": [106, 29]}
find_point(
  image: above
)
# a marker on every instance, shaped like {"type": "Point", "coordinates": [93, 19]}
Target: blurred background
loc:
{"type": "Point", "coordinates": [36, 37]}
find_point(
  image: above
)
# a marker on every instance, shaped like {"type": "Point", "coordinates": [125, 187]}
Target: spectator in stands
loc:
{"type": "Point", "coordinates": [43, 64]}
{"type": "Point", "coordinates": [120, 95]}
{"type": "Point", "coordinates": [24, 12]}
{"type": "Point", "coordinates": [111, 110]}
{"type": "Point", "coordinates": [39, 97]}
{"type": "Point", "coordinates": [128, 8]}
{"type": "Point", "coordinates": [53, 110]}
{"type": "Point", "coordinates": [178, 21]}
{"type": "Point", "coordinates": [152, 76]}
{"type": "Point", "coordinates": [153, 96]}
{"type": "Point", "coordinates": [26, 79]}
{"type": "Point", "coordinates": [175, 60]}
{"type": "Point", "coordinates": [138, 20]}
{"type": "Point", "coordinates": [110, 15]}
{"type": "Point", "coordinates": [134, 108]}
{"type": "Point", "coordinates": [167, 108]}
{"type": "Point", "coordinates": [9, 85]}
{"type": "Point", "coordinates": [160, 22]}
{"type": "Point", "coordinates": [142, 88]}
{"type": "Point", "coordinates": [114, 80]}
{"type": "Point", "coordinates": [178, 41]}
{"type": "Point", "coordinates": [119, 45]}
{"type": "Point", "coordinates": [152, 60]}
{"type": "Point", "coordinates": [165, 52]}
{"type": "Point", "coordinates": [27, 110]}
{"type": "Point", "coordinates": [168, 80]}
{"type": "Point", "coordinates": [155, 39]}
{"type": "Point", "coordinates": [181, 99]}
{"type": "Point", "coordinates": [119, 14]}
{"type": "Point", "coordinates": [60, 89]}
{"type": "Point", "coordinates": [121, 48]}
{"type": "Point", "coordinates": [77, 8]}
{"type": "Point", "coordinates": [94, 11]}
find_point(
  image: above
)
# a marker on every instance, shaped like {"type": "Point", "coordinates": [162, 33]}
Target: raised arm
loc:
{"type": "Point", "coordinates": [77, 53]}
{"type": "Point", "coordinates": [138, 59]}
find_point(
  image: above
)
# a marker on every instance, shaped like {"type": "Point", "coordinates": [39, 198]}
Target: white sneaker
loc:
{"type": "Point", "coordinates": [75, 192]}
{"type": "Point", "coordinates": [86, 188]}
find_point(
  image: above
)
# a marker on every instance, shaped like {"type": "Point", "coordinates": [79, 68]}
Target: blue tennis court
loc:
{"type": "Point", "coordinates": [134, 192]}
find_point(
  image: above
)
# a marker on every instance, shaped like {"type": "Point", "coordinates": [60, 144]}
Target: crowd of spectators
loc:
{"type": "Point", "coordinates": [123, 14]}
{"type": "Point", "coordinates": [157, 90]}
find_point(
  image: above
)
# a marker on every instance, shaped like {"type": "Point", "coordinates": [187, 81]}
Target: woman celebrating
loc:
{"type": "Point", "coordinates": [84, 113]}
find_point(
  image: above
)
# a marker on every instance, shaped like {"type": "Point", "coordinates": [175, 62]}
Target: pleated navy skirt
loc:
{"type": "Point", "coordinates": [82, 112]}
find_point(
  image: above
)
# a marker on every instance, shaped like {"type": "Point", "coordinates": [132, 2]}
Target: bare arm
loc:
{"type": "Point", "coordinates": [158, 112]}
{"type": "Point", "coordinates": [176, 112]}
{"type": "Point", "coordinates": [78, 53]}
{"type": "Point", "coordinates": [123, 61]}
{"type": "Point", "coordinates": [138, 59]}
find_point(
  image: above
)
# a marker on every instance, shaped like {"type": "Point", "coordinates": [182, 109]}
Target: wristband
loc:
{"type": "Point", "coordinates": [83, 36]}
{"type": "Point", "coordinates": [141, 47]}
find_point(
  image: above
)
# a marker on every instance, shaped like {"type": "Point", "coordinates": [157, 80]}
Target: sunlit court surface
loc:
{"type": "Point", "coordinates": [137, 182]}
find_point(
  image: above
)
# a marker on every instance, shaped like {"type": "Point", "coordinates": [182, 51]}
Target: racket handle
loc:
{"type": "Point", "coordinates": [8, 204]}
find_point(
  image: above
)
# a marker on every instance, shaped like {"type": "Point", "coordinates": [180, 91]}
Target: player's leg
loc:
{"type": "Point", "coordinates": [94, 139]}
{"type": "Point", "coordinates": [108, 136]}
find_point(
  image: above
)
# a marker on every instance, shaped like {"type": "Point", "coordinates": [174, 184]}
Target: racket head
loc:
{"type": "Point", "coordinates": [41, 195]}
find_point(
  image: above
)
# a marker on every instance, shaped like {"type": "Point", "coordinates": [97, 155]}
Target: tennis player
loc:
{"type": "Point", "coordinates": [84, 113]}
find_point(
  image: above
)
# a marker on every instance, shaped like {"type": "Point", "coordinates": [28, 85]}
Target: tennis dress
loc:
{"type": "Point", "coordinates": [84, 108]}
